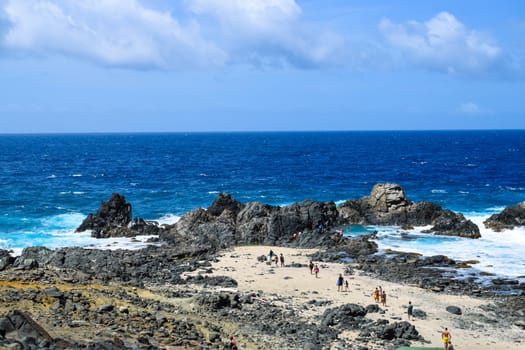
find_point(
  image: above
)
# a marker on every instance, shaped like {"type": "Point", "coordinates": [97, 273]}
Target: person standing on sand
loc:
{"type": "Point", "coordinates": [446, 336]}
{"type": "Point", "coordinates": [376, 295]}
{"type": "Point", "coordinates": [281, 257]}
{"type": "Point", "coordinates": [383, 298]}
{"type": "Point", "coordinates": [410, 311]}
{"type": "Point", "coordinates": [346, 286]}
{"type": "Point", "coordinates": [316, 270]}
{"type": "Point", "coordinates": [450, 346]}
{"type": "Point", "coordinates": [311, 266]}
{"type": "Point", "coordinates": [339, 283]}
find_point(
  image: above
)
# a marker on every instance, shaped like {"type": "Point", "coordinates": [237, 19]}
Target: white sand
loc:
{"type": "Point", "coordinates": [241, 264]}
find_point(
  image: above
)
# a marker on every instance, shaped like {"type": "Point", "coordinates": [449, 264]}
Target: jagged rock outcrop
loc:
{"type": "Point", "coordinates": [227, 222]}
{"type": "Point", "coordinates": [388, 205]}
{"type": "Point", "coordinates": [113, 219]}
{"type": "Point", "coordinates": [509, 218]}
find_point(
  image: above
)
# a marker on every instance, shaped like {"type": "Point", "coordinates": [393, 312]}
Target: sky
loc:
{"type": "Point", "coordinates": [260, 65]}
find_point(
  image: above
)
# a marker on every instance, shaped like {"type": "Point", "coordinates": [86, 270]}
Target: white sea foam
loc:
{"type": "Point", "coordinates": [62, 221]}
{"type": "Point", "coordinates": [500, 253]}
{"type": "Point", "coordinates": [78, 192]}
{"type": "Point", "coordinates": [438, 191]}
{"type": "Point", "coordinates": [213, 192]}
{"type": "Point", "coordinates": [52, 176]}
{"type": "Point", "coordinates": [168, 219]}
{"type": "Point", "coordinates": [76, 175]}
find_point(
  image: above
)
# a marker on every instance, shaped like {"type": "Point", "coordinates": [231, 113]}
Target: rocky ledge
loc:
{"type": "Point", "coordinates": [508, 219]}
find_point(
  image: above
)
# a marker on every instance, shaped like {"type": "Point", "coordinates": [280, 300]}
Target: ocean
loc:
{"type": "Point", "coordinates": [49, 183]}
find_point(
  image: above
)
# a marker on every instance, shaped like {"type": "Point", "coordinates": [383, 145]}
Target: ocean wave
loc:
{"type": "Point", "coordinates": [62, 222]}
{"type": "Point", "coordinates": [438, 191]}
{"type": "Point", "coordinates": [76, 175]}
{"type": "Point", "coordinates": [213, 192]}
{"type": "Point", "coordinates": [168, 219]}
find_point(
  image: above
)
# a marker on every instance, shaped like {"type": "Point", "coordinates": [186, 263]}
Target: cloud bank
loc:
{"type": "Point", "coordinates": [129, 33]}
{"type": "Point", "coordinates": [113, 32]}
{"type": "Point", "coordinates": [444, 44]}
{"type": "Point", "coordinates": [218, 33]}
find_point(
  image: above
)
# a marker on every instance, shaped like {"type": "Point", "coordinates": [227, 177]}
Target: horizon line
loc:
{"type": "Point", "coordinates": [240, 131]}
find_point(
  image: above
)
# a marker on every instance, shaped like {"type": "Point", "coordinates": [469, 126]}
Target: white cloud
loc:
{"type": "Point", "coordinates": [473, 109]}
{"type": "Point", "coordinates": [443, 43]}
{"type": "Point", "coordinates": [115, 32]}
{"type": "Point", "coordinates": [469, 108]}
{"type": "Point", "coordinates": [270, 32]}
{"type": "Point", "coordinates": [129, 33]}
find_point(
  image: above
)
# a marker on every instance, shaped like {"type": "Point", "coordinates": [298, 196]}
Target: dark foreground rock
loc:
{"type": "Point", "coordinates": [509, 218]}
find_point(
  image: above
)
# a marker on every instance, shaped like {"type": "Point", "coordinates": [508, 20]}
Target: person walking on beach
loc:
{"type": "Point", "coordinates": [410, 311]}
{"type": "Point", "coordinates": [281, 257]}
{"type": "Point", "coordinates": [383, 298]}
{"type": "Point", "coordinates": [316, 270]}
{"type": "Point", "coordinates": [311, 266]}
{"type": "Point", "coordinates": [376, 295]}
{"type": "Point", "coordinates": [446, 336]}
{"type": "Point", "coordinates": [339, 283]}
{"type": "Point", "coordinates": [346, 286]}
{"type": "Point", "coordinates": [450, 346]}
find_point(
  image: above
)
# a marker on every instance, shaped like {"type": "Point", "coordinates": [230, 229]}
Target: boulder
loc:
{"type": "Point", "coordinates": [509, 218]}
{"type": "Point", "coordinates": [454, 310]}
{"type": "Point", "coordinates": [454, 224]}
{"type": "Point", "coordinates": [388, 205]}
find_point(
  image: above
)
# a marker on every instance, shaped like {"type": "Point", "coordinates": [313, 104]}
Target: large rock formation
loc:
{"type": "Point", "coordinates": [227, 222]}
{"type": "Point", "coordinates": [113, 219]}
{"type": "Point", "coordinates": [509, 218]}
{"type": "Point", "coordinates": [388, 205]}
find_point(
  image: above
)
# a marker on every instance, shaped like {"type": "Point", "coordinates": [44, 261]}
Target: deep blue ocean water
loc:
{"type": "Point", "coordinates": [49, 183]}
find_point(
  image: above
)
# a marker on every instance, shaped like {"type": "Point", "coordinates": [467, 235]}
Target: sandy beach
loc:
{"type": "Point", "coordinates": [299, 287]}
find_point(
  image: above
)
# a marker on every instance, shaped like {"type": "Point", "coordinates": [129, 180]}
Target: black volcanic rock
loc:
{"type": "Point", "coordinates": [113, 219]}
{"type": "Point", "coordinates": [228, 222]}
{"type": "Point", "coordinates": [112, 214]}
{"type": "Point", "coordinates": [509, 218]}
{"type": "Point", "coordinates": [224, 201]}
{"type": "Point", "coordinates": [388, 205]}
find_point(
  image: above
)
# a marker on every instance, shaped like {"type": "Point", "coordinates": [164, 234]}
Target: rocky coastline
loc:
{"type": "Point", "coordinates": [165, 296]}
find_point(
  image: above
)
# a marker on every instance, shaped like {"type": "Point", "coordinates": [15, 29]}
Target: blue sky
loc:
{"type": "Point", "coordinates": [260, 65]}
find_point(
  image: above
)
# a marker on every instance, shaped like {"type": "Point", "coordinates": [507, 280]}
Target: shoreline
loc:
{"type": "Point", "coordinates": [178, 298]}
{"type": "Point", "coordinates": [296, 283]}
